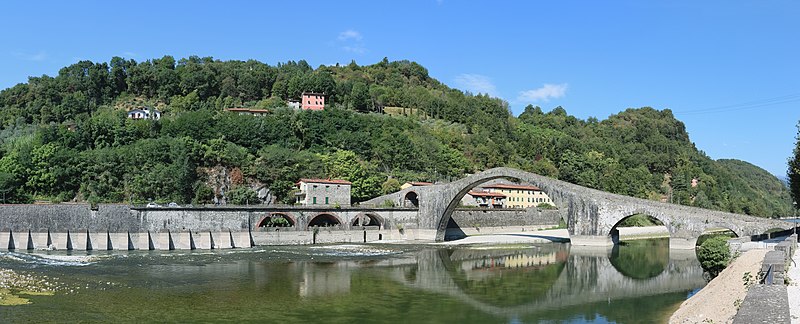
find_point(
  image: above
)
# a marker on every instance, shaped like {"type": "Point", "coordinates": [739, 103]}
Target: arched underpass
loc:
{"type": "Point", "coordinates": [276, 220]}
{"type": "Point", "coordinates": [503, 205]}
{"type": "Point", "coordinates": [324, 220]}
{"type": "Point", "coordinates": [367, 220]}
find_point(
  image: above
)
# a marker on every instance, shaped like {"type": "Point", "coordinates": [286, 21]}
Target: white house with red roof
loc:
{"type": "Point", "coordinates": [323, 192]}
{"type": "Point", "coordinates": [484, 199]}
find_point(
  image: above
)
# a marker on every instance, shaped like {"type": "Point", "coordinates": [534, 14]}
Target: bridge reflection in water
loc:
{"type": "Point", "coordinates": [548, 281]}
{"type": "Point", "coordinates": [518, 282]}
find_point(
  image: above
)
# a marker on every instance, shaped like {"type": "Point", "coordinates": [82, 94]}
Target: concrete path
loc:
{"type": "Point", "coordinates": [794, 287]}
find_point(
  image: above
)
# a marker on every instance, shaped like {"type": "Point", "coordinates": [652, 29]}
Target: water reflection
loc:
{"type": "Point", "coordinates": [641, 259]}
{"type": "Point", "coordinates": [551, 282]}
{"type": "Point", "coordinates": [506, 277]}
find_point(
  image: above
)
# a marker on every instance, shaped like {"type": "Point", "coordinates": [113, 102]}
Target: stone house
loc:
{"type": "Point", "coordinates": [323, 192]}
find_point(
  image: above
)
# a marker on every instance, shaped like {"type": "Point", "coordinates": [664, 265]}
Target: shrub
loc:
{"type": "Point", "coordinates": [714, 254]}
{"type": "Point", "coordinates": [242, 196]}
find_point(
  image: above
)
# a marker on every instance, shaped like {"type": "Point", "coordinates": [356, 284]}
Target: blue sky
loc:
{"type": "Point", "coordinates": [730, 70]}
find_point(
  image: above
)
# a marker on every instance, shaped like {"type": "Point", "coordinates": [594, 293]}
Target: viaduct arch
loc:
{"type": "Point", "coordinates": [590, 214]}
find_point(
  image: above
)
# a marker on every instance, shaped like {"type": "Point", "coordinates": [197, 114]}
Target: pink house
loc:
{"type": "Point", "coordinates": [313, 101]}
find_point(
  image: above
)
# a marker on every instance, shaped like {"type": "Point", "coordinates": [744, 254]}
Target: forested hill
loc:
{"type": "Point", "coordinates": [67, 138]}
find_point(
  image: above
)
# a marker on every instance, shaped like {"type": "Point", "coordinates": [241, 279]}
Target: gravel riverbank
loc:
{"type": "Point", "coordinates": [719, 300]}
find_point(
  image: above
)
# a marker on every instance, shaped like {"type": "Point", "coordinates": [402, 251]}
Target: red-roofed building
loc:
{"type": "Point", "coordinates": [520, 196]}
{"type": "Point", "coordinates": [323, 192]}
{"type": "Point", "coordinates": [484, 199]}
{"type": "Point", "coordinates": [312, 101]}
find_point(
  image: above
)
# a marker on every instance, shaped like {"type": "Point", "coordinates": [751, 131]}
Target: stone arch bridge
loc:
{"type": "Point", "coordinates": [590, 214]}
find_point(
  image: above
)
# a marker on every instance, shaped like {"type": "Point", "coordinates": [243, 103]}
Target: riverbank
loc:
{"type": "Point", "coordinates": [719, 300]}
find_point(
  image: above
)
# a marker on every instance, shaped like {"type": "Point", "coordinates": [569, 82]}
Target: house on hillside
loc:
{"type": "Point", "coordinates": [248, 111]}
{"type": "Point", "coordinates": [144, 113]}
{"type": "Point", "coordinates": [520, 196]}
{"type": "Point", "coordinates": [323, 192]}
{"type": "Point", "coordinates": [484, 199]}
{"type": "Point", "coordinates": [312, 101]}
{"type": "Point", "coordinates": [293, 103]}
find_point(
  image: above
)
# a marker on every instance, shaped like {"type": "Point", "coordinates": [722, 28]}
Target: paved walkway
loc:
{"type": "Point", "coordinates": [794, 287]}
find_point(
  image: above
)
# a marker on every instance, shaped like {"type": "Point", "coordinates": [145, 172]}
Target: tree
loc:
{"type": "Point", "coordinates": [359, 97]}
{"type": "Point", "coordinates": [794, 170]}
{"type": "Point", "coordinates": [714, 254]}
{"type": "Point", "coordinates": [242, 195]}
{"type": "Point", "coordinates": [390, 185]}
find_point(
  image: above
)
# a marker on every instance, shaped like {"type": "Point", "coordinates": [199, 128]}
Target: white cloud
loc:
{"type": "Point", "coordinates": [351, 41]}
{"type": "Point", "coordinates": [476, 83]}
{"type": "Point", "coordinates": [350, 34]}
{"type": "Point", "coordinates": [545, 93]}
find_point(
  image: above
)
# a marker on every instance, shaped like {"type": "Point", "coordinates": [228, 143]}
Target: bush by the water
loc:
{"type": "Point", "coordinates": [714, 254]}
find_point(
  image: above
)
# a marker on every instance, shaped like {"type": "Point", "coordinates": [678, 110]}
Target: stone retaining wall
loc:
{"type": "Point", "coordinates": [493, 217]}
{"type": "Point", "coordinates": [768, 302]}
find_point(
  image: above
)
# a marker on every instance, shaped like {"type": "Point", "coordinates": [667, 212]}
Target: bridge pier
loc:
{"type": "Point", "coordinates": [591, 240]}
{"type": "Point", "coordinates": [681, 243]}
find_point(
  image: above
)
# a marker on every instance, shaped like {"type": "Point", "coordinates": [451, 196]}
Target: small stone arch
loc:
{"type": "Point", "coordinates": [614, 231]}
{"type": "Point", "coordinates": [266, 220]}
{"type": "Point", "coordinates": [367, 219]}
{"type": "Point", "coordinates": [411, 199]}
{"type": "Point", "coordinates": [324, 220]}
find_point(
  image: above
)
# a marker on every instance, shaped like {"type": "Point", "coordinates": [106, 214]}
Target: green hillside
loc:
{"type": "Point", "coordinates": [67, 138]}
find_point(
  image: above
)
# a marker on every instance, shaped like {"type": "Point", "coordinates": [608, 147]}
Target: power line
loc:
{"type": "Point", "coordinates": [743, 106]}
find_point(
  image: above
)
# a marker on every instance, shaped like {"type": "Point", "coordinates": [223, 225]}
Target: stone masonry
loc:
{"type": "Point", "coordinates": [590, 214]}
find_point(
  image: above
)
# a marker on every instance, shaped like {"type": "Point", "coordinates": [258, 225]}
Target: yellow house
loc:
{"type": "Point", "coordinates": [414, 184]}
{"type": "Point", "coordinates": [520, 196]}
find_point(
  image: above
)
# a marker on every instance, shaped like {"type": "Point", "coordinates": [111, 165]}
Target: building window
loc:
{"type": "Point", "coordinates": [315, 200]}
{"type": "Point", "coordinates": [326, 200]}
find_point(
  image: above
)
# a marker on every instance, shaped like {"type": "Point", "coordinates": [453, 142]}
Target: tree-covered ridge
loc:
{"type": "Point", "coordinates": [67, 137]}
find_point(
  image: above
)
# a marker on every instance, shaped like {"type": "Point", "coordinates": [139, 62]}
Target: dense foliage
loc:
{"type": "Point", "coordinates": [794, 170]}
{"type": "Point", "coordinates": [714, 254]}
{"type": "Point", "coordinates": [67, 137]}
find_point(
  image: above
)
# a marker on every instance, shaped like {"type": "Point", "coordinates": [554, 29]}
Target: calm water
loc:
{"type": "Point", "coordinates": [637, 283]}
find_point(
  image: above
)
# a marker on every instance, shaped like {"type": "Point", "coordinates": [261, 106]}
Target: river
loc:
{"type": "Point", "coordinates": [640, 282]}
